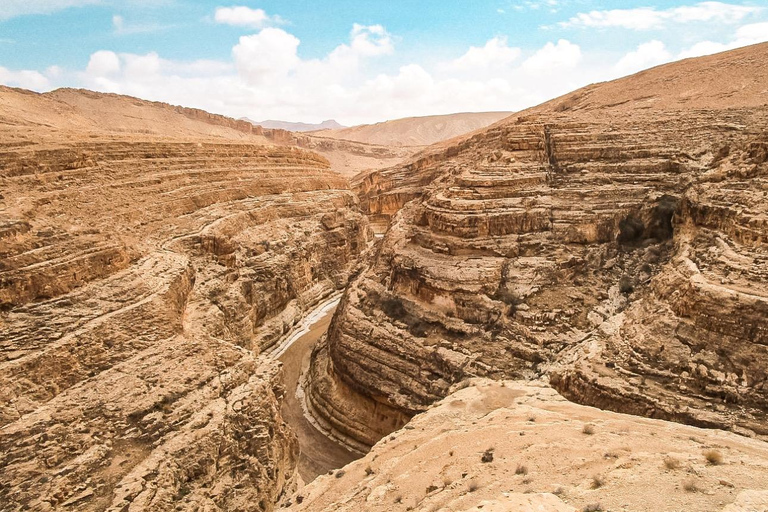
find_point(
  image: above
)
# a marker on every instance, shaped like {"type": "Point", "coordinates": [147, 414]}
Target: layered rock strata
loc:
{"type": "Point", "coordinates": [140, 279]}
{"type": "Point", "coordinates": [622, 255]}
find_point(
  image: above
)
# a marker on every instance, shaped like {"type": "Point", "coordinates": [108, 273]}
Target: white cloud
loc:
{"type": "Point", "coordinates": [646, 55]}
{"type": "Point", "coordinates": [746, 35]}
{"type": "Point", "coordinates": [242, 16]}
{"type": "Point", "coordinates": [535, 5]}
{"type": "Point", "coordinates": [494, 55]}
{"type": "Point", "coordinates": [267, 56]}
{"type": "Point", "coordinates": [648, 18]}
{"type": "Point", "coordinates": [25, 78]}
{"type": "Point", "coordinates": [554, 57]}
{"type": "Point", "coordinates": [266, 78]}
{"type": "Point", "coordinates": [12, 8]}
{"type": "Point", "coordinates": [122, 28]}
{"type": "Point", "coordinates": [103, 63]}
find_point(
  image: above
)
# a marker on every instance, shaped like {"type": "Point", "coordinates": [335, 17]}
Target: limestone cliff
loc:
{"type": "Point", "coordinates": [141, 277]}
{"type": "Point", "coordinates": [612, 242]}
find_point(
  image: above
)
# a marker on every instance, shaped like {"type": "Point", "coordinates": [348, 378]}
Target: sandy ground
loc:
{"type": "Point", "coordinates": [318, 453]}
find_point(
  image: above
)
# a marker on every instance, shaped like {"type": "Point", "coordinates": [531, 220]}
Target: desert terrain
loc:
{"type": "Point", "coordinates": [567, 309]}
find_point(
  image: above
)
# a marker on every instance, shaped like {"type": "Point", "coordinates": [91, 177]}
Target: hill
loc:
{"type": "Point", "coordinates": [296, 127]}
{"type": "Point", "coordinates": [416, 131]}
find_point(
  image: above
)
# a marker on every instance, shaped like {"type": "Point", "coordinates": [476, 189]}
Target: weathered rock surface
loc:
{"type": "Point", "coordinates": [615, 240]}
{"type": "Point", "coordinates": [140, 278]}
{"type": "Point", "coordinates": [519, 446]}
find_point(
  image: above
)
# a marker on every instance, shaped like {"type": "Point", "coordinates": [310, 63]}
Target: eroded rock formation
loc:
{"type": "Point", "coordinates": [141, 277]}
{"type": "Point", "coordinates": [519, 446]}
{"type": "Point", "coordinates": [614, 240]}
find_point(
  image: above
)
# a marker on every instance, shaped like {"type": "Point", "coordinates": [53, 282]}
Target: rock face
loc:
{"type": "Point", "coordinates": [519, 446]}
{"type": "Point", "coordinates": [617, 244]}
{"type": "Point", "coordinates": [140, 279]}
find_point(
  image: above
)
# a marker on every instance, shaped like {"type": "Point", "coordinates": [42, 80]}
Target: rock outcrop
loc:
{"type": "Point", "coordinates": [141, 277]}
{"type": "Point", "coordinates": [614, 242]}
{"type": "Point", "coordinates": [518, 446]}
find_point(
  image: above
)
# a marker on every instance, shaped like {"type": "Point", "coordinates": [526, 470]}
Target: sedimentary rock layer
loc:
{"type": "Point", "coordinates": [140, 279]}
{"type": "Point", "coordinates": [519, 446]}
{"type": "Point", "coordinates": [620, 252]}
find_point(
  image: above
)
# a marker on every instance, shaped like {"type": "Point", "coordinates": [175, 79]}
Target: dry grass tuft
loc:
{"type": "Point", "coordinates": [521, 469]}
{"type": "Point", "coordinates": [473, 486]}
{"type": "Point", "coordinates": [690, 485]}
{"type": "Point", "coordinates": [714, 457]}
{"type": "Point", "coordinates": [672, 462]}
{"type": "Point", "coordinates": [597, 482]}
{"type": "Point", "coordinates": [588, 429]}
{"type": "Point", "coordinates": [592, 507]}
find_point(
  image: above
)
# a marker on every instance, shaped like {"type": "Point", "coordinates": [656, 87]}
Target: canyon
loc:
{"type": "Point", "coordinates": [563, 310]}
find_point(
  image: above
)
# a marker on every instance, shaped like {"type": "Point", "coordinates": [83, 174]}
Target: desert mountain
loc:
{"type": "Point", "coordinates": [417, 131]}
{"type": "Point", "coordinates": [296, 127]}
{"type": "Point", "coordinates": [612, 241]}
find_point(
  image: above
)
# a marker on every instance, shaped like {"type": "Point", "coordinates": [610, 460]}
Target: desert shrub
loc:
{"type": "Point", "coordinates": [690, 485]}
{"type": "Point", "coordinates": [671, 463]}
{"type": "Point", "coordinates": [597, 482]}
{"type": "Point", "coordinates": [473, 486]}
{"type": "Point", "coordinates": [714, 457]}
{"type": "Point", "coordinates": [588, 429]}
{"type": "Point", "coordinates": [399, 498]}
{"type": "Point", "coordinates": [487, 455]}
{"type": "Point", "coordinates": [625, 285]}
{"type": "Point", "coordinates": [592, 507]}
{"type": "Point", "coordinates": [521, 469]}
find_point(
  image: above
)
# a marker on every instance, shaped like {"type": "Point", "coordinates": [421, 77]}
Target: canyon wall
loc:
{"type": "Point", "coordinates": [141, 278]}
{"type": "Point", "coordinates": [617, 250]}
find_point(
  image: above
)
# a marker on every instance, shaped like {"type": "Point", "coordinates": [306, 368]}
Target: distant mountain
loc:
{"type": "Point", "coordinates": [297, 127]}
{"type": "Point", "coordinates": [417, 131]}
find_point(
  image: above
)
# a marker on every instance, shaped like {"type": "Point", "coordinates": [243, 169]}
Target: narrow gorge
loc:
{"type": "Point", "coordinates": [567, 305]}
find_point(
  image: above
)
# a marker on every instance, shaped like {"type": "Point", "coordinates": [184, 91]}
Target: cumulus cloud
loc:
{"type": "Point", "coordinates": [242, 16]}
{"type": "Point", "coordinates": [266, 78]}
{"type": "Point", "coordinates": [554, 57]}
{"type": "Point", "coordinates": [494, 55]}
{"type": "Point", "coordinates": [103, 63]}
{"type": "Point", "coordinates": [27, 79]}
{"type": "Point", "coordinates": [648, 18]}
{"type": "Point", "coordinates": [267, 56]}
{"type": "Point", "coordinates": [746, 35]}
{"type": "Point", "coordinates": [647, 55]}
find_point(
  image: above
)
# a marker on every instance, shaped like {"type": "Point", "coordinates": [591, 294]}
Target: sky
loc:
{"type": "Point", "coordinates": [356, 61]}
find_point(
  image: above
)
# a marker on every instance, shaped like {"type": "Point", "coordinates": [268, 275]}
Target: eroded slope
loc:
{"type": "Point", "coordinates": [622, 255]}
{"type": "Point", "coordinates": [140, 278]}
{"type": "Point", "coordinates": [518, 447]}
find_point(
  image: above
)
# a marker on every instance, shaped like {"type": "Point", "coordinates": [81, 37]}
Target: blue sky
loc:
{"type": "Point", "coordinates": [357, 61]}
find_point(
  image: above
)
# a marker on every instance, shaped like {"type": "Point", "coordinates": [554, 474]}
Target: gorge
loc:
{"type": "Point", "coordinates": [567, 308]}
